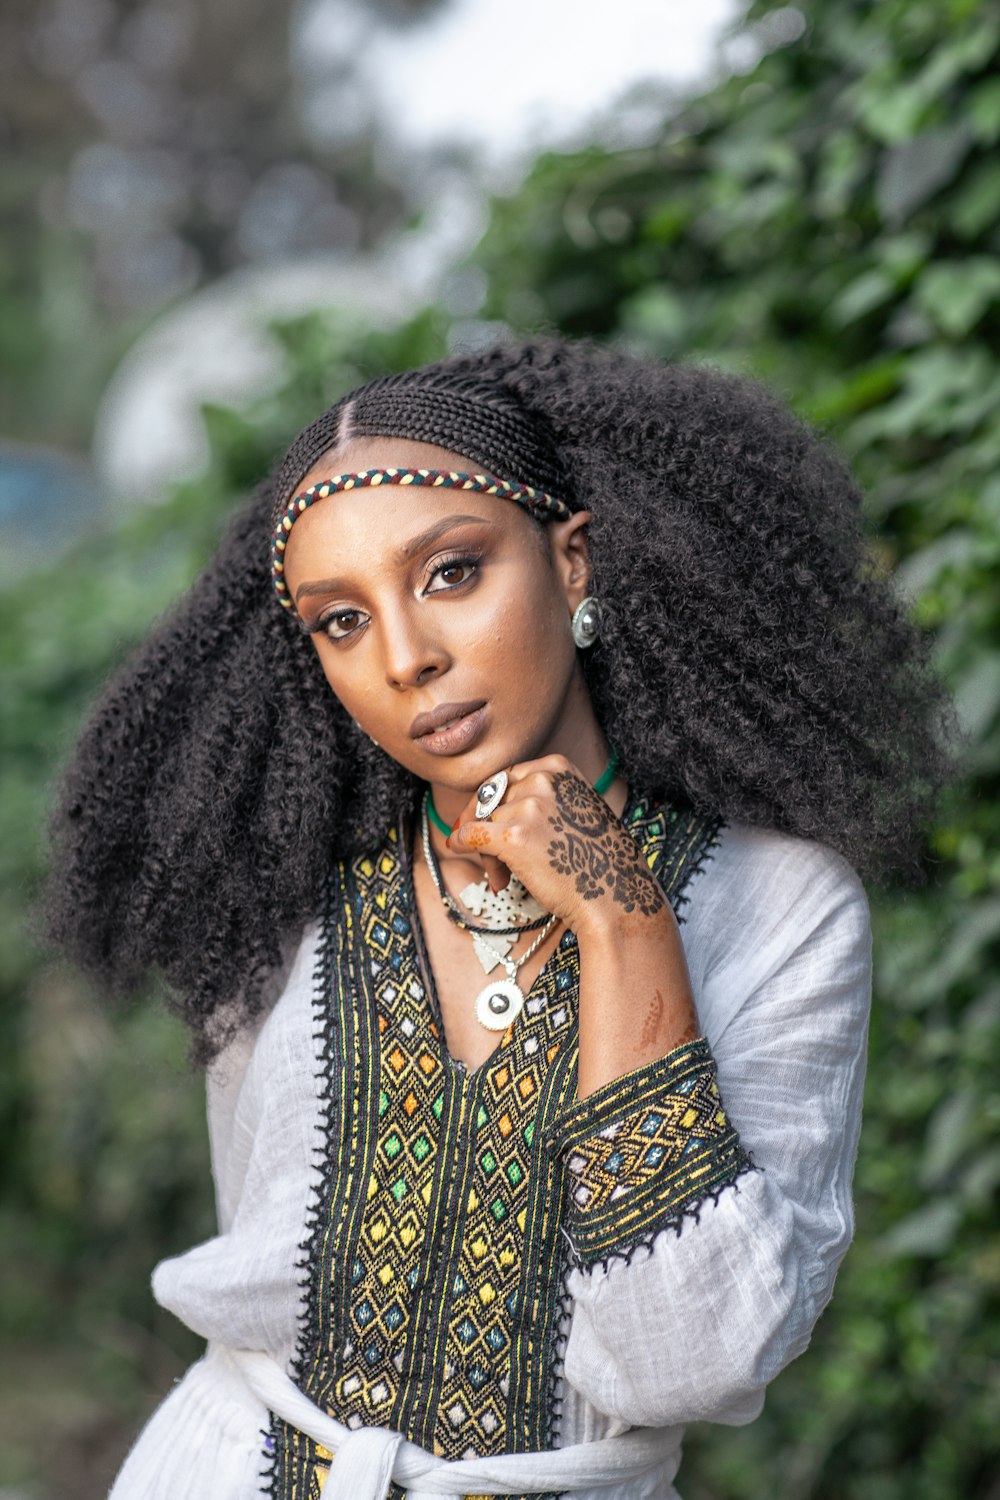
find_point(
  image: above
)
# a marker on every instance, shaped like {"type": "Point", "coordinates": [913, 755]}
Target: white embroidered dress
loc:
{"type": "Point", "coordinates": [691, 1327]}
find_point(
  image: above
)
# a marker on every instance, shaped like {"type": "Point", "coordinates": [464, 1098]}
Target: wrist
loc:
{"type": "Point", "coordinates": [606, 922]}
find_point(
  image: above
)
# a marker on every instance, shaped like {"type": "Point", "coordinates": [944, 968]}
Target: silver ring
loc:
{"type": "Point", "coordinates": [490, 795]}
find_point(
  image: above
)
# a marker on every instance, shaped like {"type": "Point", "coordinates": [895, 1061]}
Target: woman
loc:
{"type": "Point", "coordinates": [501, 846]}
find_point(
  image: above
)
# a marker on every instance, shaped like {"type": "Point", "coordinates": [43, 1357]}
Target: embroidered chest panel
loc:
{"type": "Point", "coordinates": [435, 1259]}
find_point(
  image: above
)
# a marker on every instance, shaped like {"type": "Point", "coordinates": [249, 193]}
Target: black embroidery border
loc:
{"type": "Point", "coordinates": [705, 831]}
{"type": "Point", "coordinates": [323, 1035]}
{"type": "Point", "coordinates": [725, 1155]}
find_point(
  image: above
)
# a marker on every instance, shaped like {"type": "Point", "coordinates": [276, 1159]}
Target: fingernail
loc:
{"type": "Point", "coordinates": [456, 823]}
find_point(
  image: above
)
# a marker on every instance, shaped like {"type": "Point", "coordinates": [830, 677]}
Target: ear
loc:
{"type": "Point", "coordinates": [571, 556]}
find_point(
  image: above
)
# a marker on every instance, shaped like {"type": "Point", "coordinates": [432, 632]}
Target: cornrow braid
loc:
{"type": "Point", "coordinates": [482, 420]}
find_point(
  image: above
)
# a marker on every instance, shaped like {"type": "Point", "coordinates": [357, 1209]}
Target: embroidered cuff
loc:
{"type": "Point", "coordinates": [643, 1151]}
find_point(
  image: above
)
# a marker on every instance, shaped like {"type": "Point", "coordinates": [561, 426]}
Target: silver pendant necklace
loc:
{"type": "Point", "coordinates": [511, 907]}
{"type": "Point", "coordinates": [506, 914]}
{"type": "Point", "coordinates": [501, 1001]}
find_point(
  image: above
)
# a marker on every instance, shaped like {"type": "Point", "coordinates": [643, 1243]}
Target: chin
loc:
{"type": "Point", "coordinates": [487, 763]}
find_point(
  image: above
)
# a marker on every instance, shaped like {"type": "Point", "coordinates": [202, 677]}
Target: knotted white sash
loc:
{"type": "Point", "coordinates": [370, 1458]}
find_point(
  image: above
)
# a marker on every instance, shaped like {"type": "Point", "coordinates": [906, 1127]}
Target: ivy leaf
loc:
{"type": "Point", "coordinates": [957, 294]}
{"type": "Point", "coordinates": [930, 1231]}
{"type": "Point", "coordinates": [911, 173]}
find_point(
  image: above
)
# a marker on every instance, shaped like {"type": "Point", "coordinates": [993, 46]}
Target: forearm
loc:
{"type": "Point", "coordinates": [636, 1003]}
{"type": "Point", "coordinates": [745, 1278]}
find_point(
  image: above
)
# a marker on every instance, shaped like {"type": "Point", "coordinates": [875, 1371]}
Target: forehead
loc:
{"type": "Point", "coordinates": [359, 531]}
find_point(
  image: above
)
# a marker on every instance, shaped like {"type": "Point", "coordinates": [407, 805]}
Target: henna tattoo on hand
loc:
{"type": "Point", "coordinates": [691, 1033]}
{"type": "Point", "coordinates": [650, 1030]}
{"type": "Point", "coordinates": [591, 845]}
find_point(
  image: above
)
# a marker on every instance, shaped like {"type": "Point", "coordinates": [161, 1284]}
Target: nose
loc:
{"type": "Point", "coordinates": [411, 655]}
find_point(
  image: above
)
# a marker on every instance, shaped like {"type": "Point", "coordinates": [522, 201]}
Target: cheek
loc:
{"type": "Point", "coordinates": [527, 617]}
{"type": "Point", "coordinates": [349, 693]}
{"type": "Point", "coordinates": [538, 631]}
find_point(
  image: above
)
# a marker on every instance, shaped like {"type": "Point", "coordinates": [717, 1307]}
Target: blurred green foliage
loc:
{"type": "Point", "coordinates": [104, 1165]}
{"type": "Point", "coordinates": [828, 221]}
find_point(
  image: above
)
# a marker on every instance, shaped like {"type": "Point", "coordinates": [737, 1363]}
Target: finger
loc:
{"type": "Point", "coordinates": [523, 779]}
{"type": "Point", "coordinates": [497, 873]}
{"type": "Point", "coordinates": [468, 812]}
{"type": "Point", "coordinates": [485, 839]}
{"type": "Point", "coordinates": [544, 768]}
{"type": "Point", "coordinates": [474, 836]}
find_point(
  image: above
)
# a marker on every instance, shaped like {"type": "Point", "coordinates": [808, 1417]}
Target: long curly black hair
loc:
{"type": "Point", "coordinates": [754, 662]}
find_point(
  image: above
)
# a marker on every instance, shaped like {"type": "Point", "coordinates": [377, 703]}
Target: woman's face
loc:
{"type": "Point", "coordinates": [442, 618]}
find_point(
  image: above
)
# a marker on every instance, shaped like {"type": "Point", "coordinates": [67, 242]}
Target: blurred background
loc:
{"type": "Point", "coordinates": [216, 218]}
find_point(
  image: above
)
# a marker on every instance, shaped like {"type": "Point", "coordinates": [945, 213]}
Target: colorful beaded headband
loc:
{"type": "Point", "coordinates": [484, 484]}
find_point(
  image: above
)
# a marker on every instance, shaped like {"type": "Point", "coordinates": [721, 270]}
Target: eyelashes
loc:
{"type": "Point", "coordinates": [461, 560]}
{"type": "Point", "coordinates": [324, 625]}
{"type": "Point", "coordinates": [345, 623]}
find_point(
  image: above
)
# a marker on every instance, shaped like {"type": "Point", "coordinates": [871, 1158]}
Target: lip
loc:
{"type": "Point", "coordinates": [445, 713]}
{"type": "Point", "coordinates": [450, 728]}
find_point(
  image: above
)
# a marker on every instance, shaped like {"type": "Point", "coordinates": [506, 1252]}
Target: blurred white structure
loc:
{"type": "Point", "coordinates": [461, 101]}
{"type": "Point", "coordinates": [216, 347]}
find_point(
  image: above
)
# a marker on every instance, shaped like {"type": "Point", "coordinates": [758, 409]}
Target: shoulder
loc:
{"type": "Point", "coordinates": [764, 901]}
{"type": "Point", "coordinates": [772, 874]}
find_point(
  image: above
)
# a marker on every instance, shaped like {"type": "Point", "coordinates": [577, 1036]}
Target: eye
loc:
{"type": "Point", "coordinates": [451, 572]}
{"type": "Point", "coordinates": [341, 623]}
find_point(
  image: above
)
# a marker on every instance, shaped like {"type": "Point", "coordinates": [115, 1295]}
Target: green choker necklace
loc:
{"type": "Point", "coordinates": [601, 785]}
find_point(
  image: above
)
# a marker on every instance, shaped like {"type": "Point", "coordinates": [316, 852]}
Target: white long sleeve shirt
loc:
{"type": "Point", "coordinates": [689, 1322]}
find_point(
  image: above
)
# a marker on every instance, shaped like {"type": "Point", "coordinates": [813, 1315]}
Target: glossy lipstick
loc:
{"type": "Point", "coordinates": [450, 728]}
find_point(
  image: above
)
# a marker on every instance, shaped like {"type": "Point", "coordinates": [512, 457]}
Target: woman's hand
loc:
{"type": "Point", "coordinates": [563, 842]}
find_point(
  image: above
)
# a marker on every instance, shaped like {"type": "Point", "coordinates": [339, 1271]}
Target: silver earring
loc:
{"type": "Point", "coordinates": [586, 622]}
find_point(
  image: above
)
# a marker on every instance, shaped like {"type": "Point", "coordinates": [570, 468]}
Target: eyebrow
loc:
{"type": "Point", "coordinates": [404, 553]}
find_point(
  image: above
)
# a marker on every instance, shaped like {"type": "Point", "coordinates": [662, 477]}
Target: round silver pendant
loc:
{"type": "Point", "coordinates": [498, 1004]}
{"type": "Point", "coordinates": [490, 794]}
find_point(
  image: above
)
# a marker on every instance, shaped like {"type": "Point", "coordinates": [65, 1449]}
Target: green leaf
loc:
{"type": "Point", "coordinates": [963, 954]}
{"type": "Point", "coordinates": [656, 319]}
{"type": "Point", "coordinates": [930, 1231]}
{"type": "Point", "coordinates": [975, 207]}
{"type": "Point", "coordinates": [913, 172]}
{"type": "Point", "coordinates": [866, 387]}
{"type": "Point", "coordinates": [953, 1129]}
{"type": "Point", "coordinates": [943, 391]}
{"type": "Point", "coordinates": [983, 107]}
{"type": "Point", "coordinates": [977, 695]}
{"type": "Point", "coordinates": [871, 289]}
{"type": "Point", "coordinates": [957, 294]}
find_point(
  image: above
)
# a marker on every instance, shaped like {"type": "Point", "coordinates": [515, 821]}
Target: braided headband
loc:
{"type": "Point", "coordinates": [484, 484]}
